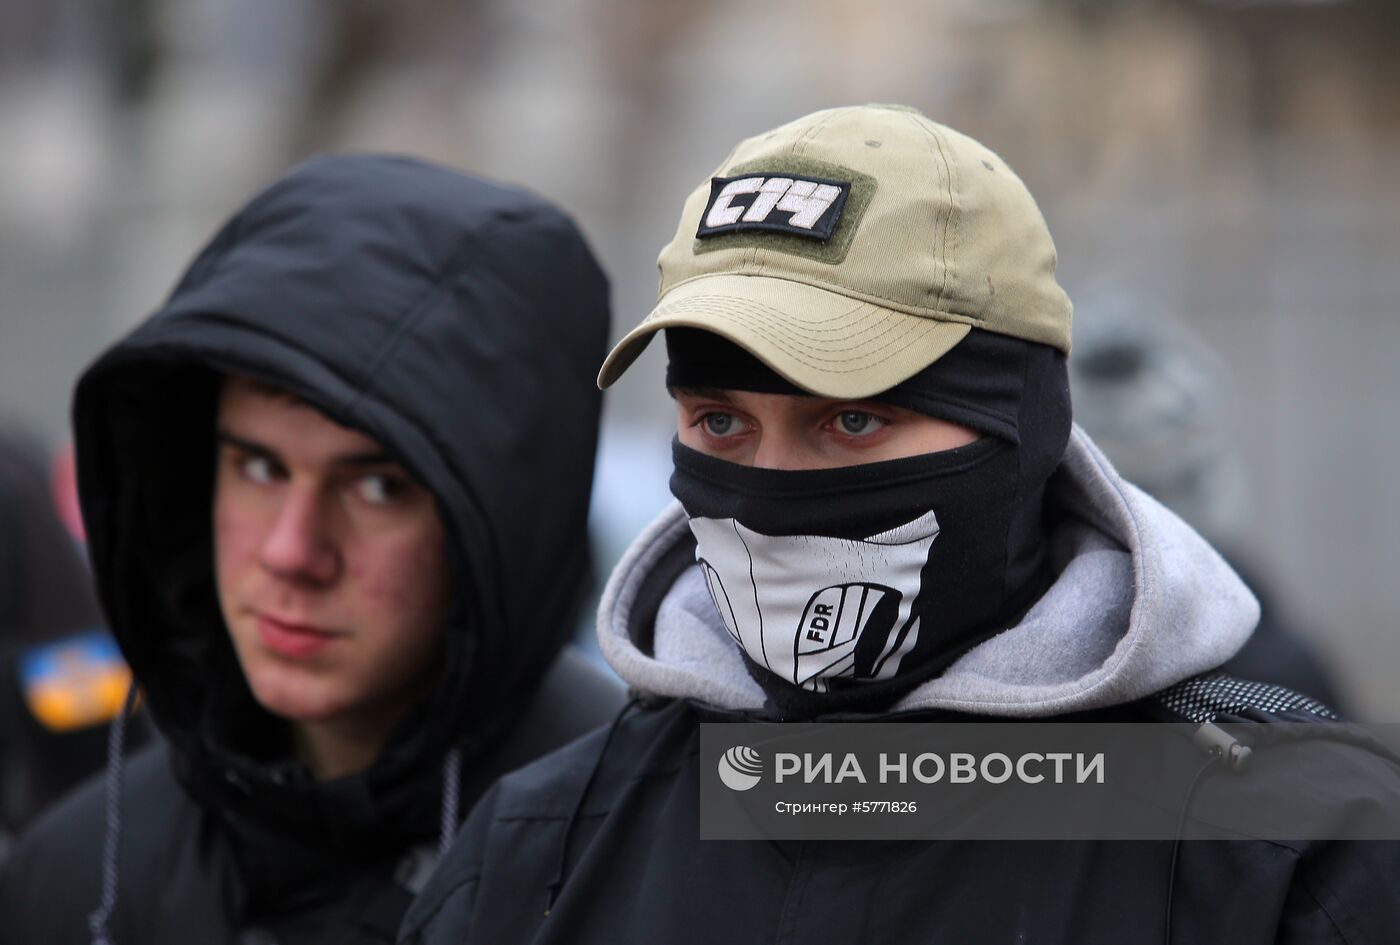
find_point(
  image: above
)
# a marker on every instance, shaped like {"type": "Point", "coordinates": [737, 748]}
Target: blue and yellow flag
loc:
{"type": "Point", "coordinates": [75, 682]}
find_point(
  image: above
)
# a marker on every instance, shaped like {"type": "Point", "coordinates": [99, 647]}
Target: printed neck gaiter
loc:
{"type": "Point", "coordinates": [847, 587]}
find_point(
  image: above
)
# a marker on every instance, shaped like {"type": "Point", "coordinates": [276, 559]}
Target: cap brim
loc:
{"type": "Point", "coordinates": [824, 342]}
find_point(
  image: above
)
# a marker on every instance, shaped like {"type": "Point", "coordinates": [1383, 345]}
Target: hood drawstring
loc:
{"type": "Point", "coordinates": [557, 882]}
{"type": "Point", "coordinates": [116, 738]}
{"type": "Point", "coordinates": [451, 798]}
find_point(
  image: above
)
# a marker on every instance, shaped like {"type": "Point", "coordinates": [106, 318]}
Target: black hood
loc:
{"type": "Point", "coordinates": [460, 324]}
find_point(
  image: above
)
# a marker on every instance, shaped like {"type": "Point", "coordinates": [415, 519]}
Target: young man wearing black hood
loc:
{"type": "Point", "coordinates": [885, 513]}
{"type": "Point", "coordinates": [319, 486]}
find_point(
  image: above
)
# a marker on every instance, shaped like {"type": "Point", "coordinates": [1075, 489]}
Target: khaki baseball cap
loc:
{"type": "Point", "coordinates": [851, 248]}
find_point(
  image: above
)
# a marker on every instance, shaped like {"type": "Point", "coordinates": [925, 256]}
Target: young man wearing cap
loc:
{"type": "Point", "coordinates": [868, 355]}
{"type": "Point", "coordinates": [320, 496]}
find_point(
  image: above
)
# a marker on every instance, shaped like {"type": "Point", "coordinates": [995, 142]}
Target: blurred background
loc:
{"type": "Point", "coordinates": [1220, 177]}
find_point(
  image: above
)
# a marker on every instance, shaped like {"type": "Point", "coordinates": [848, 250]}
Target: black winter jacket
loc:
{"type": "Point", "coordinates": [456, 322]}
{"type": "Point", "coordinates": [599, 843]}
{"type": "Point", "coordinates": [628, 866]}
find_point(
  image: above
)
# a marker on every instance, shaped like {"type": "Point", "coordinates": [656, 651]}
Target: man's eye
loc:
{"type": "Point", "coordinates": [257, 469]}
{"type": "Point", "coordinates": [379, 490]}
{"type": "Point", "coordinates": [719, 424]}
{"type": "Point", "coordinates": [858, 422]}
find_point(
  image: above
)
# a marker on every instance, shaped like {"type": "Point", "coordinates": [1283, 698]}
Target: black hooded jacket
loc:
{"type": "Point", "coordinates": [457, 323]}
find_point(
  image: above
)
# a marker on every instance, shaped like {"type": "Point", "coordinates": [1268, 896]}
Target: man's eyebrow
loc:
{"type": "Point", "coordinates": [704, 393]}
{"type": "Point", "coordinates": [229, 438]}
{"type": "Point", "coordinates": [376, 457]}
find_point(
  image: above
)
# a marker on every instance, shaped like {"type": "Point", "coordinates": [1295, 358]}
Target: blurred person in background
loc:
{"type": "Point", "coordinates": [61, 678]}
{"type": "Point", "coordinates": [885, 513]}
{"type": "Point", "coordinates": [322, 499]}
{"type": "Point", "coordinates": [1159, 403]}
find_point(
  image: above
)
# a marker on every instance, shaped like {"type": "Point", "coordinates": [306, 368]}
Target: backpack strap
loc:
{"type": "Point", "coordinates": [1207, 697]}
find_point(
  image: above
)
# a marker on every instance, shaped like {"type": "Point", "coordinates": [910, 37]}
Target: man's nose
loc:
{"type": "Point", "coordinates": [300, 545]}
{"type": "Point", "coordinates": [779, 449]}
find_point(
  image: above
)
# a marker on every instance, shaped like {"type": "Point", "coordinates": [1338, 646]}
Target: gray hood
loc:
{"type": "Point", "coordinates": [1140, 602]}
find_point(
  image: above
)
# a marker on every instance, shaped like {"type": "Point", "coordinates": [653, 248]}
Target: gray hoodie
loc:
{"type": "Point", "coordinates": [1140, 601]}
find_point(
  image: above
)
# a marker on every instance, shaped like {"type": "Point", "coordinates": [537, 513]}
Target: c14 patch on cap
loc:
{"type": "Point", "coordinates": [781, 203]}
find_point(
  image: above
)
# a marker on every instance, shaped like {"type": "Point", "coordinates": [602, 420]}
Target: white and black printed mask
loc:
{"type": "Point", "coordinates": [812, 608]}
{"type": "Point", "coordinates": [863, 577]}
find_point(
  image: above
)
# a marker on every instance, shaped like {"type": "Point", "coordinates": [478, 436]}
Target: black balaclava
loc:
{"type": "Point", "coordinates": [847, 587]}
